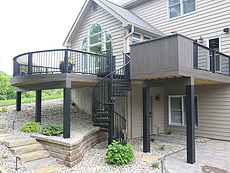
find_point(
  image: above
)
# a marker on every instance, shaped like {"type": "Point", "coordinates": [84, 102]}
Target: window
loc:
{"type": "Point", "coordinates": [177, 110]}
{"type": "Point", "coordinates": [214, 43]}
{"type": "Point", "coordinates": [108, 40]}
{"type": "Point", "coordinates": [136, 37]}
{"type": "Point", "coordinates": [94, 43]}
{"type": "Point", "coordinates": [180, 7]}
{"type": "Point", "coordinates": [95, 40]}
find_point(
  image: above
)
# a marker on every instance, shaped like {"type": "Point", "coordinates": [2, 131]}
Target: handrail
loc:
{"type": "Point", "coordinates": [61, 61]}
{"type": "Point", "coordinates": [208, 59]}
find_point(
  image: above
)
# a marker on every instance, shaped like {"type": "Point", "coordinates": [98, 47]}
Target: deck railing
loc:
{"type": "Point", "coordinates": [61, 61]}
{"type": "Point", "coordinates": [210, 60]}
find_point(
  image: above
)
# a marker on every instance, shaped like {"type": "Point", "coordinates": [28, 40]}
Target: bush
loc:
{"type": "Point", "coordinates": [31, 127]}
{"type": "Point", "coordinates": [52, 130]}
{"type": "Point", "coordinates": [162, 147]}
{"type": "Point", "coordinates": [155, 164]}
{"type": "Point", "coordinates": [118, 154]}
{"type": "Point", "coordinates": [4, 109]}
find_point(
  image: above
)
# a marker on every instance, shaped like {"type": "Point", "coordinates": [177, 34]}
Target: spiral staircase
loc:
{"type": "Point", "coordinates": [112, 85]}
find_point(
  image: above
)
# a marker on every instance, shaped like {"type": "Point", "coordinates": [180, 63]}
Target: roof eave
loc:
{"type": "Point", "coordinates": [68, 40]}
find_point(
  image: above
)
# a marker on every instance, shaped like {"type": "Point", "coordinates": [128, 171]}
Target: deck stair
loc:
{"type": "Point", "coordinates": [112, 85]}
{"type": "Point", "coordinates": [30, 152]}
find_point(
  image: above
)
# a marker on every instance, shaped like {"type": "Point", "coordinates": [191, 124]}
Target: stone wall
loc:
{"type": "Point", "coordinates": [69, 152]}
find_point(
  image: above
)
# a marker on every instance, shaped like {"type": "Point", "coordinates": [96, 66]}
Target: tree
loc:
{"type": "Point", "coordinates": [6, 90]}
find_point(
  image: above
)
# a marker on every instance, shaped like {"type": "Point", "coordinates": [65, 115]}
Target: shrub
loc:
{"type": "Point", "coordinates": [118, 154]}
{"type": "Point", "coordinates": [155, 164]}
{"type": "Point", "coordinates": [152, 140]}
{"type": "Point", "coordinates": [4, 109]}
{"type": "Point", "coordinates": [31, 127]}
{"type": "Point", "coordinates": [52, 130]}
{"type": "Point", "coordinates": [162, 147]}
{"type": "Point", "coordinates": [169, 132]}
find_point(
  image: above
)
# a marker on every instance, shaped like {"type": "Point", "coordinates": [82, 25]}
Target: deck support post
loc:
{"type": "Point", "coordinates": [190, 123]}
{"type": "Point", "coordinates": [66, 118]}
{"type": "Point", "coordinates": [146, 120]}
{"type": "Point", "coordinates": [111, 124]}
{"type": "Point", "coordinates": [18, 101]}
{"type": "Point", "coordinates": [38, 107]}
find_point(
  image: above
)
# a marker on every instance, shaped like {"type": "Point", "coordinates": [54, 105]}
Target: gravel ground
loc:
{"type": "Point", "coordinates": [94, 159]}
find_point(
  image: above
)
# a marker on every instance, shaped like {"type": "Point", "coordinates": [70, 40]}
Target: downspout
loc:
{"type": "Point", "coordinates": [128, 109]}
{"type": "Point", "coordinates": [124, 39]}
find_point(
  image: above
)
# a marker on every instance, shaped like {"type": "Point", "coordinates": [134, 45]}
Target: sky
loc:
{"type": "Point", "coordinates": [34, 25]}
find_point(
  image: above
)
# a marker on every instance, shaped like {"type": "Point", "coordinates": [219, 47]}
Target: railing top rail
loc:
{"type": "Point", "coordinates": [120, 116]}
{"type": "Point", "coordinates": [53, 50]}
{"type": "Point", "coordinates": [200, 45]}
{"type": "Point", "coordinates": [115, 70]}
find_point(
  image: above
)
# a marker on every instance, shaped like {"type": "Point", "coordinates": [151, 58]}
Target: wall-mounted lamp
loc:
{"type": "Point", "coordinates": [200, 40]}
{"type": "Point", "coordinates": [158, 98]}
{"type": "Point", "coordinates": [226, 30]}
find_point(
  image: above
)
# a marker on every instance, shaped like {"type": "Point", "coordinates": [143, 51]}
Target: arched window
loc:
{"type": "Point", "coordinates": [95, 41]}
{"type": "Point", "coordinates": [108, 40]}
{"type": "Point", "coordinates": [84, 44]}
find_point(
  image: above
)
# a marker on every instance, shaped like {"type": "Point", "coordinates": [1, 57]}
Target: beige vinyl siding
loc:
{"type": "Point", "coordinates": [157, 110]}
{"type": "Point", "coordinates": [209, 19]}
{"type": "Point", "coordinates": [107, 23]}
{"type": "Point", "coordinates": [213, 111]}
{"type": "Point", "coordinates": [137, 112]}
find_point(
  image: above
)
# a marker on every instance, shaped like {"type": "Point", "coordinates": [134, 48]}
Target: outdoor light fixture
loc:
{"type": "Point", "coordinates": [226, 30]}
{"type": "Point", "coordinates": [158, 97]}
{"type": "Point", "coordinates": [200, 40]}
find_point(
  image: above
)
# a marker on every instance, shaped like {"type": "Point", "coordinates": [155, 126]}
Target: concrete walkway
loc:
{"type": "Point", "coordinates": [212, 156]}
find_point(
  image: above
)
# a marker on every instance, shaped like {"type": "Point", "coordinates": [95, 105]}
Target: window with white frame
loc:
{"type": "Point", "coordinates": [94, 43]}
{"type": "Point", "coordinates": [137, 37]}
{"type": "Point", "coordinates": [177, 110]}
{"type": "Point", "coordinates": [180, 7]}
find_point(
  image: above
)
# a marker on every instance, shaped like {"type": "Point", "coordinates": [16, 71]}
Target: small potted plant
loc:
{"type": "Point", "coordinates": [70, 65]}
{"type": "Point", "coordinates": [24, 70]}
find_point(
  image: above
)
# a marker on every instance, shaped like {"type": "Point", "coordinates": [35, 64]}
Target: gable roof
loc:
{"type": "Point", "coordinates": [127, 18]}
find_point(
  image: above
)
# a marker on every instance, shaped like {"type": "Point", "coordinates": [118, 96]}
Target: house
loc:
{"type": "Point", "coordinates": [177, 79]}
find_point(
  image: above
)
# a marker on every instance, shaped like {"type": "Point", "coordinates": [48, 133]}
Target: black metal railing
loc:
{"type": "Point", "coordinates": [120, 127]}
{"type": "Point", "coordinates": [112, 85]}
{"type": "Point", "coordinates": [61, 61]}
{"type": "Point", "coordinates": [210, 60]}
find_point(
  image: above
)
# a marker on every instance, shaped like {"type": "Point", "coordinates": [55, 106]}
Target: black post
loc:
{"type": "Point", "coordinates": [195, 55]}
{"type": "Point", "coordinates": [66, 61]}
{"type": "Point", "coordinates": [66, 118]}
{"type": "Point", "coordinates": [30, 64]}
{"type": "Point", "coordinates": [146, 121]}
{"type": "Point", "coordinates": [190, 123]}
{"type": "Point", "coordinates": [38, 108]}
{"type": "Point", "coordinates": [18, 101]}
{"type": "Point", "coordinates": [111, 124]}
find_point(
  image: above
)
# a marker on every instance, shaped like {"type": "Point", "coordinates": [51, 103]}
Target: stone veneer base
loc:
{"type": "Point", "coordinates": [69, 152]}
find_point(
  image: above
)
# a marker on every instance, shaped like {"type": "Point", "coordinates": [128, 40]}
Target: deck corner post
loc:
{"type": "Point", "coordinates": [66, 113]}
{"type": "Point", "coordinates": [18, 101]}
{"type": "Point", "coordinates": [38, 107]}
{"type": "Point", "coordinates": [190, 123]}
{"type": "Point", "coordinates": [146, 120]}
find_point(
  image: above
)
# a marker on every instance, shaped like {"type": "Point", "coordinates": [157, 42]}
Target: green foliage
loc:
{"type": "Point", "coordinates": [4, 109]}
{"type": "Point", "coordinates": [162, 147]}
{"type": "Point", "coordinates": [6, 90]}
{"type": "Point", "coordinates": [52, 130]}
{"type": "Point", "coordinates": [31, 127]}
{"type": "Point", "coordinates": [169, 132]}
{"type": "Point", "coordinates": [155, 164]}
{"type": "Point", "coordinates": [118, 154]}
{"type": "Point", "coordinates": [152, 139]}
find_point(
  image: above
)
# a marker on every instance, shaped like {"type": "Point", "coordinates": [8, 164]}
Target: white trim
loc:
{"type": "Point", "coordinates": [182, 110]}
{"type": "Point", "coordinates": [181, 9]}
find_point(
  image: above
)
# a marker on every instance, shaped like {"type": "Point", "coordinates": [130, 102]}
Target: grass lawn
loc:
{"type": "Point", "coordinates": [27, 100]}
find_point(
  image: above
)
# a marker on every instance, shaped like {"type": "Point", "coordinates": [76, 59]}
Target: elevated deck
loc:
{"type": "Point", "coordinates": [177, 56]}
